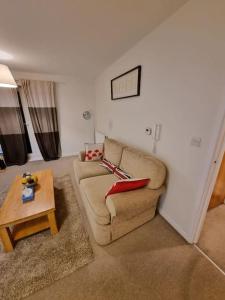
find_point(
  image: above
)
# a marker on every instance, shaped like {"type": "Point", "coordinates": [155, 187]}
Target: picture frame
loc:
{"type": "Point", "coordinates": [126, 85]}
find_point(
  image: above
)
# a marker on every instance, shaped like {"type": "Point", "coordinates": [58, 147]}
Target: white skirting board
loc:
{"type": "Point", "coordinates": [35, 158]}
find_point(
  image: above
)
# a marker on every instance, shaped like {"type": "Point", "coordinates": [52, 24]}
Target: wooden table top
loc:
{"type": "Point", "coordinates": [14, 211]}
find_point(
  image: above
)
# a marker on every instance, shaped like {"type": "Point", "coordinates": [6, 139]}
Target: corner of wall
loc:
{"type": "Point", "coordinates": [176, 226]}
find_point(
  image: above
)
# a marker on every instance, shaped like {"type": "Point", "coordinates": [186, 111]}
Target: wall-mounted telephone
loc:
{"type": "Point", "coordinates": [157, 132]}
{"type": "Point", "coordinates": [156, 136]}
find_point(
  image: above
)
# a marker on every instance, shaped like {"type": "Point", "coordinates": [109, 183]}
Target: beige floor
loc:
{"type": "Point", "coordinates": [212, 239]}
{"type": "Point", "coordinates": [152, 262]}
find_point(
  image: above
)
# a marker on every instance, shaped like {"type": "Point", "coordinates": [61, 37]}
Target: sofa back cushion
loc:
{"type": "Point", "coordinates": [141, 165]}
{"type": "Point", "coordinates": [113, 151]}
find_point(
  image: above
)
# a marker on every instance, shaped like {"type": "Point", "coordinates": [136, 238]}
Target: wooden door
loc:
{"type": "Point", "coordinates": [218, 195]}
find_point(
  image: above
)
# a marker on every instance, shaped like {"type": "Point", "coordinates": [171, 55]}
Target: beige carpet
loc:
{"type": "Point", "coordinates": [41, 259]}
{"type": "Point", "coordinates": [212, 239]}
{"type": "Point", "coordinates": [150, 263]}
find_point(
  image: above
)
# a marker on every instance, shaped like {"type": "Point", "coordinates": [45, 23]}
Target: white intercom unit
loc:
{"type": "Point", "coordinates": [156, 136]}
{"type": "Point", "coordinates": [157, 132]}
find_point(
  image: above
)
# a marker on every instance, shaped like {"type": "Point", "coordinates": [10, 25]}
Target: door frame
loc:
{"type": "Point", "coordinates": [210, 182]}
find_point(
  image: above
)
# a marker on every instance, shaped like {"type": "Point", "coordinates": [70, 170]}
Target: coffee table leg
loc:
{"type": "Point", "coordinates": [52, 222]}
{"type": "Point", "coordinates": [6, 238]}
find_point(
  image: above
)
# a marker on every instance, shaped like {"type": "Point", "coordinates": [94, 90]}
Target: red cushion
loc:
{"type": "Point", "coordinates": [127, 185]}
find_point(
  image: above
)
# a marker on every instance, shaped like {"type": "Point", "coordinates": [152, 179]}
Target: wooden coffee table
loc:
{"type": "Point", "coordinates": [30, 217]}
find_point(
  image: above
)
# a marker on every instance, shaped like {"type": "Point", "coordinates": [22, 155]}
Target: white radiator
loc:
{"type": "Point", "coordinates": [99, 137]}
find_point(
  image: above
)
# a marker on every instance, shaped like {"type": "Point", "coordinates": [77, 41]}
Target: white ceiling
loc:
{"type": "Point", "coordinates": [75, 37]}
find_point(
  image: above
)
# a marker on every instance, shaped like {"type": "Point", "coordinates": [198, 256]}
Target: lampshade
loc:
{"type": "Point", "coordinates": [6, 78]}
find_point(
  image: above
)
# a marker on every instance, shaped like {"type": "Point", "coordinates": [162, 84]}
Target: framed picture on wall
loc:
{"type": "Point", "coordinates": [127, 84]}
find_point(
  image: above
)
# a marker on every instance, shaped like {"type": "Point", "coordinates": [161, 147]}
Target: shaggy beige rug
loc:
{"type": "Point", "coordinates": [41, 259]}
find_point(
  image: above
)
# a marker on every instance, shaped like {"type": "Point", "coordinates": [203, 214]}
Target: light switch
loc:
{"type": "Point", "coordinates": [196, 141]}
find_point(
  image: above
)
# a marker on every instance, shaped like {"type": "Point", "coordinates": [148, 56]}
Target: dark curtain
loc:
{"type": "Point", "coordinates": [43, 113]}
{"type": "Point", "coordinates": [12, 133]}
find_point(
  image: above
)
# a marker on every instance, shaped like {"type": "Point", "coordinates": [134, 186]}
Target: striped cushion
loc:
{"type": "Point", "coordinates": [113, 169]}
{"type": "Point", "coordinates": [121, 174]}
{"type": "Point", "coordinates": [108, 165]}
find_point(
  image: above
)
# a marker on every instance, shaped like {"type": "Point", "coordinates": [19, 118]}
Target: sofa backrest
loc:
{"type": "Point", "coordinates": [113, 151]}
{"type": "Point", "coordinates": [141, 165]}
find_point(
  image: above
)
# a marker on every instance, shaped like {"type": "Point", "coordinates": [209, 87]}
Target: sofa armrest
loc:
{"type": "Point", "coordinates": [82, 155]}
{"type": "Point", "coordinates": [129, 204]}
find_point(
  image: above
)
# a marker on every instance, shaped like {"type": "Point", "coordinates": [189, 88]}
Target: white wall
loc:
{"type": "Point", "coordinates": [182, 83]}
{"type": "Point", "coordinates": [73, 97]}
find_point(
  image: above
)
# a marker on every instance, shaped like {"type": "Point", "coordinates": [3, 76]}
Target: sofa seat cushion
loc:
{"type": "Point", "coordinates": [113, 151]}
{"type": "Point", "coordinates": [86, 169]}
{"type": "Point", "coordinates": [95, 189]}
{"type": "Point", "coordinates": [141, 165]}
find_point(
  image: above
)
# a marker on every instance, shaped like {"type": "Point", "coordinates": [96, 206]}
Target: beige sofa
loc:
{"type": "Point", "coordinates": [120, 213]}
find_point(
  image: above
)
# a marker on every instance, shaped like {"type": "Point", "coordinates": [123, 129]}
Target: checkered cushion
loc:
{"type": "Point", "coordinates": [93, 151]}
